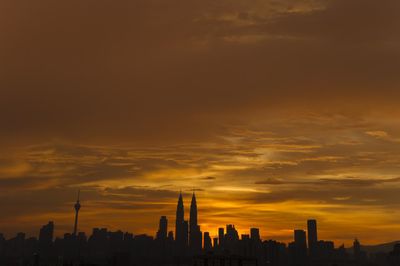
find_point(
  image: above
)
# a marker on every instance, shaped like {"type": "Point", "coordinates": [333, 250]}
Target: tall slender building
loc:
{"type": "Point", "coordinates": [312, 236]}
{"type": "Point", "coordinates": [195, 235]}
{"type": "Point", "coordinates": [221, 236]}
{"type": "Point", "coordinates": [77, 207]}
{"type": "Point", "coordinates": [185, 235]}
{"type": "Point", "coordinates": [193, 213]}
{"type": "Point", "coordinates": [180, 227]}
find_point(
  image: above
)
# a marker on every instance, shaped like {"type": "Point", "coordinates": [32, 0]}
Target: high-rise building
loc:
{"type": "Point", "coordinates": [163, 228]}
{"type": "Point", "coordinates": [231, 233]}
{"type": "Point", "coordinates": [46, 233]}
{"type": "Point", "coordinates": [300, 247]}
{"type": "Point", "coordinates": [46, 239]}
{"type": "Point", "coordinates": [77, 207]}
{"type": "Point", "coordinates": [181, 228]}
{"type": "Point", "coordinates": [255, 234]}
{"type": "Point", "coordinates": [170, 236]}
{"type": "Point", "coordinates": [185, 234]}
{"type": "Point", "coordinates": [300, 238]}
{"type": "Point", "coordinates": [195, 235]}
{"type": "Point", "coordinates": [356, 249]}
{"type": "Point", "coordinates": [221, 235]}
{"type": "Point", "coordinates": [193, 212]}
{"type": "Point", "coordinates": [312, 236]}
{"type": "Point", "coordinates": [207, 241]}
{"type": "Point", "coordinates": [179, 222]}
{"type": "Point", "coordinates": [215, 242]}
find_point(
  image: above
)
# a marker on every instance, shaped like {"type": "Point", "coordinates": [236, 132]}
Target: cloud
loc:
{"type": "Point", "coordinates": [358, 182]}
{"type": "Point", "coordinates": [126, 71]}
{"type": "Point", "coordinates": [270, 181]}
{"type": "Point", "coordinates": [378, 134]}
{"type": "Point", "coordinates": [268, 108]}
{"type": "Point", "coordinates": [342, 182]}
{"type": "Point", "coordinates": [208, 178]}
{"type": "Point", "coordinates": [243, 171]}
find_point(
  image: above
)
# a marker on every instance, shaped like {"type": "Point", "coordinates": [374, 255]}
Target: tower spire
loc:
{"type": "Point", "coordinates": [193, 212]}
{"type": "Point", "coordinates": [77, 207]}
{"type": "Point", "coordinates": [195, 237]}
{"type": "Point", "coordinates": [180, 229]}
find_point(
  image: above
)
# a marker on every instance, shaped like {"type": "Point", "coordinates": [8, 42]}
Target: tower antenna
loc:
{"type": "Point", "coordinates": [77, 207]}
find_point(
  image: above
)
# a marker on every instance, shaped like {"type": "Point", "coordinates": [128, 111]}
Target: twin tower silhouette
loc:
{"type": "Point", "coordinates": [187, 233]}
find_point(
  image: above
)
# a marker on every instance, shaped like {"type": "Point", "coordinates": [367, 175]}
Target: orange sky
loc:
{"type": "Point", "coordinates": [275, 111]}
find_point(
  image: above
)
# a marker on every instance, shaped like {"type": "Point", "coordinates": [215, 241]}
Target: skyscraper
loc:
{"type": "Point", "coordinates": [231, 233]}
{"type": "Point", "coordinates": [221, 235]}
{"type": "Point", "coordinates": [207, 241]}
{"type": "Point", "coordinates": [300, 247]}
{"type": "Point", "coordinates": [185, 235]}
{"type": "Point", "coordinates": [195, 235]}
{"type": "Point", "coordinates": [46, 238]}
{"type": "Point", "coordinates": [46, 233]}
{"type": "Point", "coordinates": [193, 212]}
{"type": "Point", "coordinates": [77, 207]}
{"type": "Point", "coordinates": [180, 227]}
{"type": "Point", "coordinates": [170, 236]}
{"type": "Point", "coordinates": [179, 219]}
{"type": "Point", "coordinates": [163, 228]}
{"type": "Point", "coordinates": [356, 249]}
{"type": "Point", "coordinates": [312, 236]}
{"type": "Point", "coordinates": [255, 234]}
{"type": "Point", "coordinates": [215, 242]}
{"type": "Point", "coordinates": [300, 238]}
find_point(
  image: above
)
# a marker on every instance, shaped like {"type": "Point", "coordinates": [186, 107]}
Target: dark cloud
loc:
{"type": "Point", "coordinates": [270, 181]}
{"type": "Point", "coordinates": [102, 71]}
{"type": "Point", "coordinates": [208, 178]}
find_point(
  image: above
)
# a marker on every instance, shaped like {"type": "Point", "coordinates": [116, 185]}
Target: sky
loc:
{"type": "Point", "coordinates": [273, 111]}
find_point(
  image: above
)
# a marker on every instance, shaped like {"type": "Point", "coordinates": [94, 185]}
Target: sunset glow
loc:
{"type": "Point", "coordinates": [274, 112]}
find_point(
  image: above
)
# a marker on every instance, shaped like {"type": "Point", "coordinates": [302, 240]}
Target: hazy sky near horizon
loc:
{"type": "Point", "coordinates": [274, 111]}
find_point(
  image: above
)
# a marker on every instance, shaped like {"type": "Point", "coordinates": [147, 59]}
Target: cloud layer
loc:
{"type": "Point", "coordinates": [276, 111]}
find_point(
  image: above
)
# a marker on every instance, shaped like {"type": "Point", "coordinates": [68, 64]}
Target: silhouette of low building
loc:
{"type": "Point", "coordinates": [394, 256]}
{"type": "Point", "coordinates": [275, 253]}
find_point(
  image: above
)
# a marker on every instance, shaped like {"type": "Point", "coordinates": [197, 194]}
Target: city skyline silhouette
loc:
{"type": "Point", "coordinates": [193, 226]}
{"type": "Point", "coordinates": [277, 123]}
{"type": "Point", "coordinates": [185, 244]}
{"type": "Point", "coordinates": [212, 230]}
